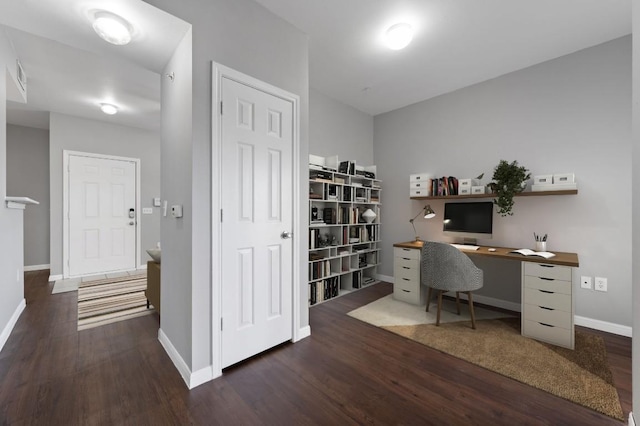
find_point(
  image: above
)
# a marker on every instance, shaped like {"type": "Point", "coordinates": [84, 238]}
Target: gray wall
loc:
{"type": "Point", "coordinates": [242, 35]}
{"type": "Point", "coordinates": [11, 221]}
{"type": "Point", "coordinates": [636, 208]}
{"type": "Point", "coordinates": [339, 129]}
{"type": "Point", "coordinates": [28, 176]}
{"type": "Point", "coordinates": [571, 114]}
{"type": "Point", "coordinates": [97, 137]}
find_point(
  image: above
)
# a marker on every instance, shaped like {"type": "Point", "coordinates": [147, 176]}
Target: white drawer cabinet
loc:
{"type": "Point", "coordinates": [406, 271]}
{"type": "Point", "coordinates": [547, 303]}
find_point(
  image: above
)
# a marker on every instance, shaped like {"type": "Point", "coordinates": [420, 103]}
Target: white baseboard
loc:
{"type": "Point", "coordinates": [498, 303]}
{"type": "Point", "coordinates": [191, 379]}
{"type": "Point", "coordinates": [28, 268]}
{"type": "Point", "coordinates": [632, 421]}
{"type": "Point", "coordinates": [55, 277]}
{"type": "Point", "coordinates": [384, 278]}
{"type": "Point", "coordinates": [142, 266]}
{"type": "Point", "coordinates": [609, 327]}
{"type": "Point", "coordinates": [302, 333]}
{"type": "Point", "coordinates": [6, 332]}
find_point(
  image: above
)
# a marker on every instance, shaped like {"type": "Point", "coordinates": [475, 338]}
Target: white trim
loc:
{"type": "Point", "coordinates": [218, 73]}
{"type": "Point", "coordinates": [498, 303]}
{"type": "Point", "coordinates": [55, 277]}
{"type": "Point", "coordinates": [386, 278]}
{"type": "Point", "coordinates": [28, 268]}
{"type": "Point", "coordinates": [303, 333]}
{"type": "Point", "coordinates": [15, 206]}
{"type": "Point", "coordinates": [609, 327]}
{"type": "Point", "coordinates": [6, 332]}
{"type": "Point", "coordinates": [65, 203]}
{"type": "Point", "coordinates": [632, 421]}
{"type": "Point", "coordinates": [190, 379]}
{"type": "Point", "coordinates": [142, 266]}
{"type": "Point", "coordinates": [19, 203]}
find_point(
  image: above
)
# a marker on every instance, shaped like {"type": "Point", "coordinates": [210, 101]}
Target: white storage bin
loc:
{"type": "Point", "coordinates": [423, 192]}
{"type": "Point", "coordinates": [420, 185]}
{"type": "Point", "coordinates": [543, 180]}
{"type": "Point", "coordinates": [464, 191]}
{"type": "Point", "coordinates": [467, 183]}
{"type": "Point", "coordinates": [477, 189]}
{"type": "Point", "coordinates": [419, 177]}
{"type": "Point", "coordinates": [564, 178]}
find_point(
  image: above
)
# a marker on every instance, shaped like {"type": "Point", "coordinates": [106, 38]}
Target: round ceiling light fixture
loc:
{"type": "Point", "coordinates": [112, 28]}
{"type": "Point", "coordinates": [109, 109]}
{"type": "Point", "coordinates": [398, 36]}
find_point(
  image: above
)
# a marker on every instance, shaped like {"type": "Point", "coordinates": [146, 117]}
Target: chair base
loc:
{"type": "Point", "coordinates": [440, 293]}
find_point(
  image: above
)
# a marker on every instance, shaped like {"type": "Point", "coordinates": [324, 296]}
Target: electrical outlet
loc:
{"type": "Point", "coordinates": [585, 282]}
{"type": "Point", "coordinates": [601, 284]}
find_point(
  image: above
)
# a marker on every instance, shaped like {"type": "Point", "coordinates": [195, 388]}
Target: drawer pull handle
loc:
{"type": "Point", "coordinates": [547, 266]}
{"type": "Point", "coordinates": [405, 258]}
{"type": "Point", "coordinates": [406, 291]}
{"type": "Point", "coordinates": [405, 267]}
{"type": "Point", "coordinates": [547, 325]}
{"type": "Point", "coordinates": [547, 279]}
{"type": "Point", "coordinates": [404, 249]}
{"type": "Point", "coordinates": [406, 279]}
{"type": "Point", "coordinates": [544, 307]}
{"type": "Point", "coordinates": [546, 291]}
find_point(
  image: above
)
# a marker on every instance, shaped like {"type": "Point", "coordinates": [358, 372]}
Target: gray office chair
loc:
{"type": "Point", "coordinates": [445, 268]}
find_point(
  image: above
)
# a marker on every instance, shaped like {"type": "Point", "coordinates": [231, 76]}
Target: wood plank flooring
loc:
{"type": "Point", "coordinates": [346, 373]}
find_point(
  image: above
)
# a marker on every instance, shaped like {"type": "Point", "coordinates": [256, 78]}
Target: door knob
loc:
{"type": "Point", "coordinates": [286, 235]}
{"type": "Point", "coordinates": [132, 223]}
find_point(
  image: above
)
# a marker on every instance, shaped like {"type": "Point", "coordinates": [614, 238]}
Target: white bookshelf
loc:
{"type": "Point", "coordinates": [344, 250]}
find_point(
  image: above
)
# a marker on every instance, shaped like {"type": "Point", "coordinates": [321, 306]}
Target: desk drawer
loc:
{"type": "Point", "coordinates": [548, 300]}
{"type": "Point", "coordinates": [412, 274]}
{"type": "Point", "coordinates": [402, 262]}
{"type": "Point", "coordinates": [557, 272]}
{"type": "Point", "coordinates": [406, 253]}
{"type": "Point", "coordinates": [408, 295]}
{"type": "Point", "coordinates": [548, 284]}
{"type": "Point", "coordinates": [547, 316]}
{"type": "Point", "coordinates": [555, 335]}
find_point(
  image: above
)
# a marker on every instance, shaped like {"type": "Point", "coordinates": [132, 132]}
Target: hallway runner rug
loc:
{"type": "Point", "coordinates": [105, 301]}
{"type": "Point", "coordinates": [581, 375]}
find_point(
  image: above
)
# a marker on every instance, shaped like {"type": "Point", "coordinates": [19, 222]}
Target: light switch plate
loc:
{"type": "Point", "coordinates": [147, 210]}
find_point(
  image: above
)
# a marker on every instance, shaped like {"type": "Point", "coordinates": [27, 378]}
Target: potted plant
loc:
{"type": "Point", "coordinates": [508, 180]}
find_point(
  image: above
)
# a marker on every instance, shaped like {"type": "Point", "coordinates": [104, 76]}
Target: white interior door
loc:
{"type": "Point", "coordinates": [101, 215]}
{"type": "Point", "coordinates": [257, 265]}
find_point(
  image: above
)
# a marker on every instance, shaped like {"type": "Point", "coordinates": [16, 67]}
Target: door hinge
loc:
{"type": "Point", "coordinates": [220, 324]}
{"type": "Point", "coordinates": [220, 107]}
{"type": "Point", "coordinates": [220, 215]}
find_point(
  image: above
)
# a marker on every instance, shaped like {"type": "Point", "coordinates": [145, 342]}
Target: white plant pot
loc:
{"type": "Point", "coordinates": [369, 216]}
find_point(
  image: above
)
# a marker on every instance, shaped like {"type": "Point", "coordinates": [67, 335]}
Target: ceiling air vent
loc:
{"type": "Point", "coordinates": [21, 76]}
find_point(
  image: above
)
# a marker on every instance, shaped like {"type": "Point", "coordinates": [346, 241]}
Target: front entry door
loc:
{"type": "Point", "coordinates": [101, 215]}
{"type": "Point", "coordinates": [257, 185]}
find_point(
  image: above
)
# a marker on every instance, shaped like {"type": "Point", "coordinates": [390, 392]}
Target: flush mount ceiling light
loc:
{"type": "Point", "coordinates": [109, 109]}
{"type": "Point", "coordinates": [112, 28]}
{"type": "Point", "coordinates": [398, 36]}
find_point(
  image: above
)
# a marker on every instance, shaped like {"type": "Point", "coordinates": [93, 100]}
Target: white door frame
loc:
{"type": "Point", "coordinates": [65, 202]}
{"type": "Point", "coordinates": [218, 72]}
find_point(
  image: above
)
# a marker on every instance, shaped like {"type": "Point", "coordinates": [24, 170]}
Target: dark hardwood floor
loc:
{"type": "Point", "coordinates": [347, 372]}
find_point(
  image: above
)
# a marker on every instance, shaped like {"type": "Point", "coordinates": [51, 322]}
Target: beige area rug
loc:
{"type": "Point", "coordinates": [581, 375]}
{"type": "Point", "coordinates": [105, 301]}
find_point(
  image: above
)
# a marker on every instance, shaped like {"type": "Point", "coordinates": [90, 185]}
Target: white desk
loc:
{"type": "Point", "coordinates": [547, 288]}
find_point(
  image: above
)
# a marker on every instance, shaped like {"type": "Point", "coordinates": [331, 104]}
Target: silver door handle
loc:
{"type": "Point", "coordinates": [286, 235]}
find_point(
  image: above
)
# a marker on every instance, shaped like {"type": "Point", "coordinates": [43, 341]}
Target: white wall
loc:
{"type": "Point", "coordinates": [242, 35]}
{"type": "Point", "coordinates": [571, 114]}
{"type": "Point", "coordinates": [78, 134]}
{"type": "Point", "coordinates": [11, 221]}
{"type": "Point", "coordinates": [339, 129]}
{"type": "Point", "coordinates": [28, 176]}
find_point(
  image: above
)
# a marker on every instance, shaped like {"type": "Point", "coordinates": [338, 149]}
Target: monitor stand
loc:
{"type": "Point", "coordinates": [470, 241]}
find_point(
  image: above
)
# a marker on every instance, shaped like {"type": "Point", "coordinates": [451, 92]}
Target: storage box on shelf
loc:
{"type": "Point", "coordinates": [343, 247]}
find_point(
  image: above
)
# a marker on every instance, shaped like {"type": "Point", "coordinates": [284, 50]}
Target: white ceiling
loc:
{"type": "Point", "coordinates": [457, 43]}
{"type": "Point", "coordinates": [71, 70]}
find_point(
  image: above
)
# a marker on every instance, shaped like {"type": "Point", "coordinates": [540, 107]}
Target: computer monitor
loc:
{"type": "Point", "coordinates": [469, 221]}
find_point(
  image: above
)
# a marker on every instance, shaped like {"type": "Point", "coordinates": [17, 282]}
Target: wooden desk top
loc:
{"type": "Point", "coordinates": [560, 258]}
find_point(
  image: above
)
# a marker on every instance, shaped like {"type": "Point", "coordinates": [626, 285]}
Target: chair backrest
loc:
{"type": "Point", "coordinates": [444, 267]}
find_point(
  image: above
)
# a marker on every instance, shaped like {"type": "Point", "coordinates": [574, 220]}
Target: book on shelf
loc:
{"type": "Point", "coordinates": [329, 215]}
{"type": "Point", "coordinates": [528, 252]}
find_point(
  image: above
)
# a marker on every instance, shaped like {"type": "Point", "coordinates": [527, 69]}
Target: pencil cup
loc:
{"type": "Point", "coordinates": [541, 246]}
